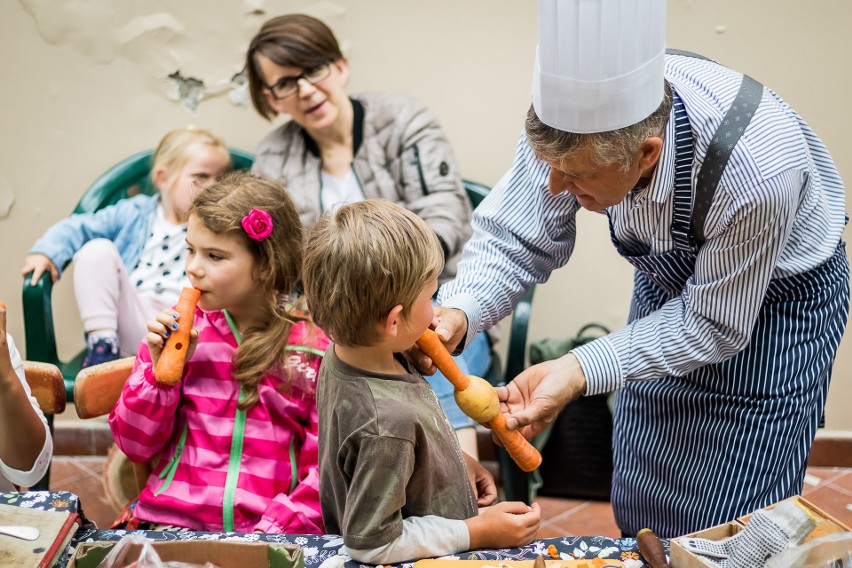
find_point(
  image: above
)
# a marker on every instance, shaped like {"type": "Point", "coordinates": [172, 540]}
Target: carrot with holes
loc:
{"type": "Point", "coordinates": [169, 369]}
{"type": "Point", "coordinates": [477, 399]}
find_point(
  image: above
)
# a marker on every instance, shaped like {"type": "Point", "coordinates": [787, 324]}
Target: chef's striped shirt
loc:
{"type": "Point", "coordinates": [778, 211]}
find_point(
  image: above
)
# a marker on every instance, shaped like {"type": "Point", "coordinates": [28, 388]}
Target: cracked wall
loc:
{"type": "Point", "coordinates": [87, 83]}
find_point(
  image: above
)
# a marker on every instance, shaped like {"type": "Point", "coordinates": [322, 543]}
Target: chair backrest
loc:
{"type": "Point", "coordinates": [131, 176]}
{"type": "Point", "coordinates": [96, 390]}
{"type": "Point", "coordinates": [476, 192]}
{"type": "Point", "coordinates": [48, 388]}
{"type": "Point", "coordinates": [517, 349]}
{"type": "Point", "coordinates": [515, 482]}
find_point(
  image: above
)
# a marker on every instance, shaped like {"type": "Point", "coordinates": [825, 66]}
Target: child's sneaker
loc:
{"type": "Point", "coordinates": [100, 350]}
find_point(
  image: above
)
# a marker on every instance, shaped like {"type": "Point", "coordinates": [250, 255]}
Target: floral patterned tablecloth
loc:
{"type": "Point", "coordinates": [318, 548]}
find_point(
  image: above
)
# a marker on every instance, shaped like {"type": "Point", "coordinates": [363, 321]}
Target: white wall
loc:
{"type": "Point", "coordinates": [84, 85]}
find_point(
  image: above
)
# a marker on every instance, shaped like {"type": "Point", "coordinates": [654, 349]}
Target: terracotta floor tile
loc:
{"type": "Point", "coordinates": [549, 530]}
{"type": "Point", "coordinates": [843, 483]}
{"type": "Point", "coordinates": [833, 502]}
{"type": "Point", "coordinates": [64, 470]}
{"type": "Point", "coordinates": [594, 518]}
{"type": "Point", "coordinates": [817, 477]}
{"type": "Point", "coordinates": [82, 476]}
{"type": "Point", "coordinates": [552, 507]}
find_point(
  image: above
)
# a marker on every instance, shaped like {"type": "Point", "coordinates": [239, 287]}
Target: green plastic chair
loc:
{"type": "Point", "coordinates": [127, 178]}
{"type": "Point", "coordinates": [515, 481]}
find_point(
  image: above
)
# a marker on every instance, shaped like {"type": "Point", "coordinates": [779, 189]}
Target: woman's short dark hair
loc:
{"type": "Point", "coordinates": [292, 40]}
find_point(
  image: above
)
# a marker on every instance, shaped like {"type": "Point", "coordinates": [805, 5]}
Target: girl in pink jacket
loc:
{"type": "Point", "coordinates": [236, 438]}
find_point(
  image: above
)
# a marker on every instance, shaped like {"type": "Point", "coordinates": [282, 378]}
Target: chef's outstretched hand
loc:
{"type": "Point", "coordinates": [534, 399]}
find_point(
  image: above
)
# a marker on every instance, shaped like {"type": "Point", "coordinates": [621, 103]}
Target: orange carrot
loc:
{"type": "Point", "coordinates": [524, 454]}
{"type": "Point", "coordinates": [169, 369]}
{"type": "Point", "coordinates": [551, 550]}
{"type": "Point", "coordinates": [432, 346]}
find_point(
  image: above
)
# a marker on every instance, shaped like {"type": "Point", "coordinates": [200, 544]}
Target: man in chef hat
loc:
{"type": "Point", "coordinates": [731, 211]}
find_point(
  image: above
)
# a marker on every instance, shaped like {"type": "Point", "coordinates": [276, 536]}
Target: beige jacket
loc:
{"type": "Point", "coordinates": [400, 154]}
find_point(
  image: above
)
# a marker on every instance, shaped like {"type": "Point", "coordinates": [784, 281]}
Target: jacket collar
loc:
{"type": "Point", "coordinates": [357, 130]}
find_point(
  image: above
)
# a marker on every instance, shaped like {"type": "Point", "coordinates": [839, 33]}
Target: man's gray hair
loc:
{"type": "Point", "coordinates": [607, 148]}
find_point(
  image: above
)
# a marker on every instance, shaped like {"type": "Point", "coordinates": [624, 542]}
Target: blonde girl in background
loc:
{"type": "Point", "coordinates": [237, 436]}
{"type": "Point", "coordinates": [129, 257]}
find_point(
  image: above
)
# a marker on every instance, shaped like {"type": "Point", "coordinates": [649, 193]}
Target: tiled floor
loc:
{"type": "Point", "coordinates": [830, 489]}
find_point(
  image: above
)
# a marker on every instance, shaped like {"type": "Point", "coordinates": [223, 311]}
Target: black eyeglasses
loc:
{"type": "Point", "coordinates": [288, 86]}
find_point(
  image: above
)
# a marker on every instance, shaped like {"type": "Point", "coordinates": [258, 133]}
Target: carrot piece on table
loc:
{"type": "Point", "coordinates": [169, 369]}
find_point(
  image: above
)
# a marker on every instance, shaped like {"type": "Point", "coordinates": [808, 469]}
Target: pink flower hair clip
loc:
{"type": "Point", "coordinates": [257, 224]}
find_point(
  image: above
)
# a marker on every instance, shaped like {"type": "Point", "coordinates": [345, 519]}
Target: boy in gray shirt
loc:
{"type": "Point", "coordinates": [393, 480]}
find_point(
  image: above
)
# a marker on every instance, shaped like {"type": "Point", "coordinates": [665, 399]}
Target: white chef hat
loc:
{"type": "Point", "coordinates": [599, 63]}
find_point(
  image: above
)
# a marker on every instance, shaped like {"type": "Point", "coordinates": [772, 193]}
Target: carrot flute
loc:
{"type": "Point", "coordinates": [478, 400]}
{"type": "Point", "coordinates": [169, 369]}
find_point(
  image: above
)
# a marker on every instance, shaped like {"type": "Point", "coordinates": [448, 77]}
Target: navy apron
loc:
{"type": "Point", "coordinates": [726, 439]}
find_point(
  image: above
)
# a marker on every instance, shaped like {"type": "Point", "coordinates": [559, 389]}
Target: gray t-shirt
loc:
{"type": "Point", "coordinates": [386, 453]}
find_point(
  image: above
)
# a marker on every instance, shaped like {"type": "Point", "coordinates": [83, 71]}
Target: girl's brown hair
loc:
{"type": "Point", "coordinates": [293, 40]}
{"type": "Point", "coordinates": [221, 208]}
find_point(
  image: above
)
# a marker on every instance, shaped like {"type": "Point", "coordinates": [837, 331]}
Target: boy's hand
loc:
{"type": "Point", "coordinates": [510, 524]}
{"type": "Point", "coordinates": [482, 482]}
{"type": "Point", "coordinates": [37, 264]}
{"type": "Point", "coordinates": [159, 330]}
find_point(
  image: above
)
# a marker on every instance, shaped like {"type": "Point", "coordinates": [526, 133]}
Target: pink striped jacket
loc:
{"type": "Point", "coordinates": [205, 479]}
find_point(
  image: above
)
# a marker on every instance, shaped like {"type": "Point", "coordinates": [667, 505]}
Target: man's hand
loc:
{"type": "Point", "coordinates": [535, 398]}
{"type": "Point", "coordinates": [451, 326]}
{"type": "Point", "coordinates": [482, 481]}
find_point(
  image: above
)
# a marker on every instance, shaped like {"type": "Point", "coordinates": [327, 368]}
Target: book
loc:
{"type": "Point", "coordinates": [56, 528]}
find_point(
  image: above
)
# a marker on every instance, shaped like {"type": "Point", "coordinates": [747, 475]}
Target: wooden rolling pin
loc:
{"type": "Point", "coordinates": [477, 398]}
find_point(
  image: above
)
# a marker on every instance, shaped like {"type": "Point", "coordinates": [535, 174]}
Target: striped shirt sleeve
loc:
{"type": "Point", "coordinates": [778, 211]}
{"type": "Point", "coordinates": [521, 234]}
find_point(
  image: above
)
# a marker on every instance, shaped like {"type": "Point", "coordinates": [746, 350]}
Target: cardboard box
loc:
{"type": "Point", "coordinates": [222, 553]}
{"type": "Point", "coordinates": [679, 557]}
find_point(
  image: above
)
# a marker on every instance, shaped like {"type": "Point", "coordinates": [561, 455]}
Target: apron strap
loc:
{"type": "Point", "coordinates": [719, 151]}
{"type": "Point", "coordinates": [684, 53]}
{"type": "Point", "coordinates": [720, 148]}
{"type": "Point", "coordinates": [684, 157]}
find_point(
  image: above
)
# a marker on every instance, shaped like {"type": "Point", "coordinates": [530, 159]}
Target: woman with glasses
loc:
{"type": "Point", "coordinates": [339, 149]}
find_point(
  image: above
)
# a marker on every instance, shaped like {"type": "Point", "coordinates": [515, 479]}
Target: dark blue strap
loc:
{"type": "Point", "coordinates": [719, 151]}
{"type": "Point", "coordinates": [684, 157]}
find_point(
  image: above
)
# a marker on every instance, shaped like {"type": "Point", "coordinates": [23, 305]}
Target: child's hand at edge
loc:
{"type": "Point", "coordinates": [37, 264]}
{"type": "Point", "coordinates": [482, 482]}
{"type": "Point", "coordinates": [509, 524]}
{"type": "Point", "coordinates": [7, 371]}
{"type": "Point", "coordinates": [159, 330]}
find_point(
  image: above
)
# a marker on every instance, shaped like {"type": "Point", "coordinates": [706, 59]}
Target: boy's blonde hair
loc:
{"type": "Point", "coordinates": [277, 260]}
{"type": "Point", "coordinates": [172, 151]}
{"type": "Point", "coordinates": [363, 260]}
